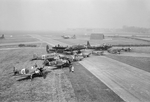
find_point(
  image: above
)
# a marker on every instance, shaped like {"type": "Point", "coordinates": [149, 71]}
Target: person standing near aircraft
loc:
{"type": "Point", "coordinates": [71, 67]}
{"type": "Point", "coordinates": [74, 56]}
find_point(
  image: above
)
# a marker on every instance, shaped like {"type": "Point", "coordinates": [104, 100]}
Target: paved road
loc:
{"type": "Point", "coordinates": [130, 83]}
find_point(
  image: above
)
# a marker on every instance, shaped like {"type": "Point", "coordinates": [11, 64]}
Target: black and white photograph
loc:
{"type": "Point", "coordinates": [74, 50]}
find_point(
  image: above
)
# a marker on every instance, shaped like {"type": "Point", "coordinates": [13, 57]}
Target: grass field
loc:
{"type": "Point", "coordinates": [22, 89]}
{"type": "Point", "coordinates": [138, 62]}
{"type": "Point", "coordinates": [112, 41]}
{"type": "Point", "coordinates": [9, 38]}
{"type": "Point", "coordinates": [38, 45]}
{"type": "Point", "coordinates": [58, 85]}
{"type": "Point", "coordinates": [55, 87]}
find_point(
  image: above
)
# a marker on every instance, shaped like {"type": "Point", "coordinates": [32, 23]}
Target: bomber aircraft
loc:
{"type": "Point", "coordinates": [75, 47]}
{"type": "Point", "coordinates": [57, 48]}
{"type": "Point", "coordinates": [119, 50]}
{"type": "Point", "coordinates": [65, 49]}
{"type": "Point", "coordinates": [99, 47]}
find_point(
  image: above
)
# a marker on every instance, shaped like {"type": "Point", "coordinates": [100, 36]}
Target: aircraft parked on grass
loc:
{"type": "Point", "coordinates": [45, 56]}
{"type": "Point", "coordinates": [98, 53]}
{"type": "Point", "coordinates": [128, 49]}
{"type": "Point", "coordinates": [114, 51]}
{"type": "Point", "coordinates": [69, 37]}
{"type": "Point", "coordinates": [75, 47]}
{"type": "Point", "coordinates": [26, 73]}
{"type": "Point", "coordinates": [58, 49]}
{"type": "Point", "coordinates": [2, 37]}
{"type": "Point", "coordinates": [119, 50]}
{"type": "Point", "coordinates": [61, 62]}
{"type": "Point", "coordinates": [99, 47]}
{"type": "Point", "coordinates": [65, 49]}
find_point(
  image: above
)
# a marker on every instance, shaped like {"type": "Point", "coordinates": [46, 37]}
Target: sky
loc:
{"type": "Point", "coordinates": [47, 15]}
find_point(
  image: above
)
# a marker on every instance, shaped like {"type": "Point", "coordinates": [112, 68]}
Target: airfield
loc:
{"type": "Point", "coordinates": [121, 77]}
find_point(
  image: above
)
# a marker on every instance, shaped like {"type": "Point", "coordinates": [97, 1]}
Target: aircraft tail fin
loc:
{"type": "Point", "coordinates": [3, 36]}
{"type": "Point", "coordinates": [74, 37]}
{"type": "Point", "coordinates": [88, 44]}
{"type": "Point", "coordinates": [47, 48]}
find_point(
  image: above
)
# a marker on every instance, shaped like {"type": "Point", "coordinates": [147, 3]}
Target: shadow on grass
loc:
{"type": "Point", "coordinates": [25, 78]}
{"type": "Point", "coordinates": [34, 76]}
{"type": "Point", "coordinates": [58, 68]}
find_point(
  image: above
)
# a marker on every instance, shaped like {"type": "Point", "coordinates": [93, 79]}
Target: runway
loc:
{"type": "Point", "coordinates": [49, 41]}
{"type": "Point", "coordinates": [130, 83]}
{"type": "Point", "coordinates": [133, 54]}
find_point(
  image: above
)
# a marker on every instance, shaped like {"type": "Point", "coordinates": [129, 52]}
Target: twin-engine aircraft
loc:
{"type": "Point", "coordinates": [69, 37]}
{"type": "Point", "coordinates": [119, 50]}
{"type": "Point", "coordinates": [75, 47]}
{"type": "Point", "coordinates": [99, 47]}
{"type": "Point", "coordinates": [65, 49]}
{"type": "Point", "coordinates": [58, 49]}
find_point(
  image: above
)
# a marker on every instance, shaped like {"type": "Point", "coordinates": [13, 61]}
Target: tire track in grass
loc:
{"type": "Point", "coordinates": [67, 89]}
{"type": "Point", "coordinates": [54, 88]}
{"type": "Point", "coordinates": [62, 90]}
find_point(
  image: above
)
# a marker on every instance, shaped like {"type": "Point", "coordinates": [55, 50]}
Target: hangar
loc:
{"type": "Point", "coordinates": [97, 36]}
